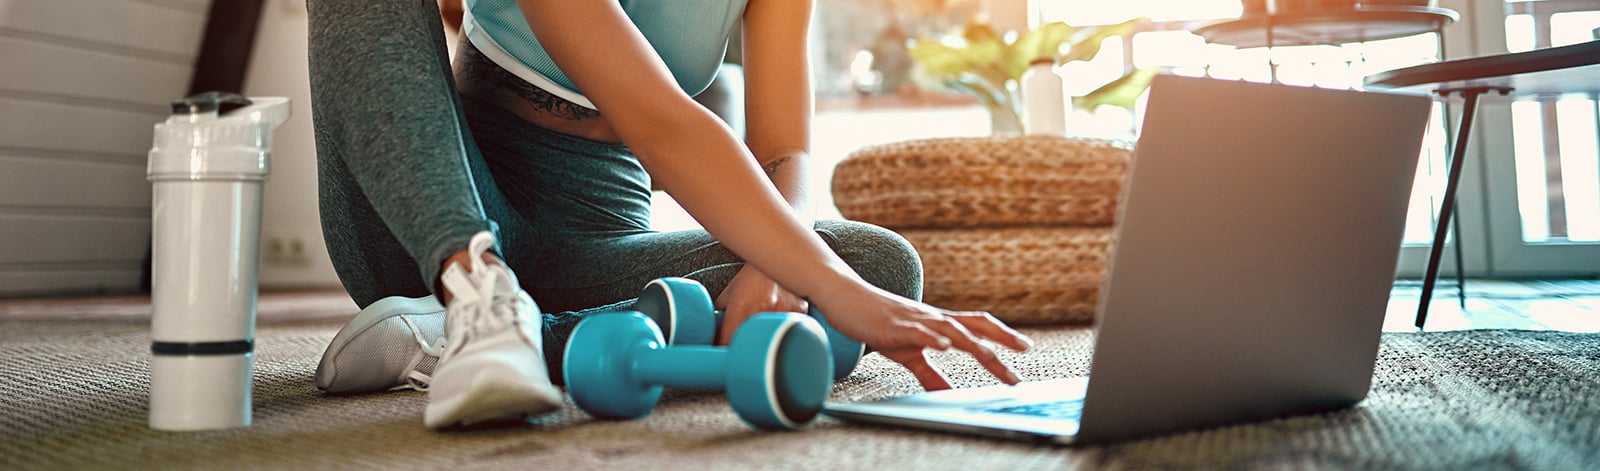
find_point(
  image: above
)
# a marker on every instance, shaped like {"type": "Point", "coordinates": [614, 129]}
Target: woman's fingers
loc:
{"type": "Point", "coordinates": [924, 337]}
{"type": "Point", "coordinates": [962, 339]}
{"type": "Point", "coordinates": [905, 329]}
{"type": "Point", "coordinates": [751, 292]}
{"type": "Point", "coordinates": [986, 326]}
{"type": "Point", "coordinates": [915, 360]}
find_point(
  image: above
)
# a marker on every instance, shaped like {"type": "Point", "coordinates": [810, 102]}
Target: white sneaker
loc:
{"type": "Point", "coordinates": [392, 344]}
{"type": "Point", "coordinates": [492, 366]}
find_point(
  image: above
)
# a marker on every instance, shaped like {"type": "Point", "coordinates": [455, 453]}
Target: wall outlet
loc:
{"type": "Point", "coordinates": [294, 257]}
{"type": "Point", "coordinates": [284, 250]}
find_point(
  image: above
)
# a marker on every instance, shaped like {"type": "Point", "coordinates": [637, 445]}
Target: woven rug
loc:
{"type": "Point", "coordinates": [74, 393]}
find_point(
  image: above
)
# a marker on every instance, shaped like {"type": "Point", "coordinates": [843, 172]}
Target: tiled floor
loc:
{"type": "Point", "coordinates": [1569, 305]}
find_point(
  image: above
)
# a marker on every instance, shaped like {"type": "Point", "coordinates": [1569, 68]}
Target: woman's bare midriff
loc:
{"type": "Point", "coordinates": [480, 79]}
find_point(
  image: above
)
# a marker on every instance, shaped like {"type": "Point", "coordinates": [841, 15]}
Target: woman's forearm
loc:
{"type": "Point", "coordinates": [790, 174]}
{"type": "Point", "coordinates": [779, 97]}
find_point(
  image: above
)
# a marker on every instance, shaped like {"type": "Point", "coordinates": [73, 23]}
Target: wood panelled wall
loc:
{"type": "Point", "coordinates": [81, 84]}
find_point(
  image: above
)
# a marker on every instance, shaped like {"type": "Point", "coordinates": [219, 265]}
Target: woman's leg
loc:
{"type": "Point", "coordinates": [617, 268]}
{"type": "Point", "coordinates": [402, 185]}
{"type": "Point", "coordinates": [403, 189]}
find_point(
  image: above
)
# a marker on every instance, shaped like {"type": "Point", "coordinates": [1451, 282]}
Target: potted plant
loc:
{"type": "Point", "coordinates": [981, 63]}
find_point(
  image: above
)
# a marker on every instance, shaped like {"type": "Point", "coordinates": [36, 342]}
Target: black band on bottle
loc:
{"type": "Point", "coordinates": [236, 347]}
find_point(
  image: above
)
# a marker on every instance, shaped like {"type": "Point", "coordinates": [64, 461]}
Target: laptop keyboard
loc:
{"type": "Point", "coordinates": [1068, 409]}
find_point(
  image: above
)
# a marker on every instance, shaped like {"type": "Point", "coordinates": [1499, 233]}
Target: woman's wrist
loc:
{"type": "Point", "coordinates": [839, 282]}
{"type": "Point", "coordinates": [788, 173]}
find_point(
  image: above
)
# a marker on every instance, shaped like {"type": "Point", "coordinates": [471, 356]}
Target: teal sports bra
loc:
{"type": "Point", "coordinates": [691, 37]}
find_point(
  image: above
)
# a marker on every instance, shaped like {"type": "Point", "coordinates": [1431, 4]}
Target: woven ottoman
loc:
{"type": "Point", "coordinates": [983, 182]}
{"type": "Point", "coordinates": [1023, 275]}
{"type": "Point", "coordinates": [1015, 225]}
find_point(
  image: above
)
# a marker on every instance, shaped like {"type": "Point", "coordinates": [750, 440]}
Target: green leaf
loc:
{"type": "Point", "coordinates": [1122, 92]}
{"type": "Point", "coordinates": [938, 59]}
{"type": "Point", "coordinates": [984, 47]}
{"type": "Point", "coordinates": [1042, 43]}
{"type": "Point", "coordinates": [1087, 48]}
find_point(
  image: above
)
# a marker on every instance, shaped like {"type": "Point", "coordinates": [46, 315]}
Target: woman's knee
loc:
{"type": "Point", "coordinates": [882, 257]}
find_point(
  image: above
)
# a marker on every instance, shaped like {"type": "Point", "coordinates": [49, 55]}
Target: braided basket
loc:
{"type": "Point", "coordinates": [1032, 275]}
{"type": "Point", "coordinates": [983, 182]}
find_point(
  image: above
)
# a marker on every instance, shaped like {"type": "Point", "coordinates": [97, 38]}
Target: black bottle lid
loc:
{"type": "Point", "coordinates": [219, 102]}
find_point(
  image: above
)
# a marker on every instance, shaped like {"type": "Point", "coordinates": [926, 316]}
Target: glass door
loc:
{"type": "Point", "coordinates": [1543, 160]}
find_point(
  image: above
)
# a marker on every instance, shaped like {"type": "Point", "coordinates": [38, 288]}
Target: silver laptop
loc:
{"type": "Point", "coordinates": [1255, 250]}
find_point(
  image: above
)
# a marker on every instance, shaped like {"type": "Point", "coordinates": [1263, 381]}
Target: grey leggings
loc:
{"type": "Point", "coordinates": [404, 184]}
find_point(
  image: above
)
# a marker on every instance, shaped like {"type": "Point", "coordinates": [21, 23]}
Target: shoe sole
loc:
{"type": "Point", "coordinates": [376, 312]}
{"type": "Point", "coordinates": [490, 399]}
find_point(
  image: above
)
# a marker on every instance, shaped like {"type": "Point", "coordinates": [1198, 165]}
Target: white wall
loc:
{"type": "Point", "coordinates": [293, 253]}
{"type": "Point", "coordinates": [81, 85]}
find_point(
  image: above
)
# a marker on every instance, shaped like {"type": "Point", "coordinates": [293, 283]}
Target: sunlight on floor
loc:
{"type": "Point", "coordinates": [1567, 305]}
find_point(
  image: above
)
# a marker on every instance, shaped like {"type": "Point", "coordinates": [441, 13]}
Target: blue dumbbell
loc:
{"type": "Point", "coordinates": [776, 372]}
{"type": "Point", "coordinates": [679, 307]}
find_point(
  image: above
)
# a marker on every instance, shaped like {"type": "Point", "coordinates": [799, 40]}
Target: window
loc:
{"type": "Point", "coordinates": [1167, 41]}
{"type": "Point", "coordinates": [1556, 153]}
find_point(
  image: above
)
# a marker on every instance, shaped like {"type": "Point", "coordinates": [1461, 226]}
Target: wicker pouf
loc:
{"type": "Point", "coordinates": [983, 182]}
{"type": "Point", "coordinates": [1023, 276]}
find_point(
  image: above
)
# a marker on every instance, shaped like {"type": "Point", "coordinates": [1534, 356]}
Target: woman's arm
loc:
{"type": "Point", "coordinates": [778, 97]}
{"type": "Point", "coordinates": [690, 152]}
{"type": "Point", "coordinates": [700, 163]}
{"type": "Point", "coordinates": [778, 111]}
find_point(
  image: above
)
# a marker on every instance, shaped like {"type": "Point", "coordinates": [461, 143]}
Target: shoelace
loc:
{"type": "Point", "coordinates": [411, 378]}
{"type": "Point", "coordinates": [505, 308]}
{"type": "Point", "coordinates": [477, 306]}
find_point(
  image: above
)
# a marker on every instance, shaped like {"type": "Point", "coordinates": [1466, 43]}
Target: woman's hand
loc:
{"type": "Point", "coordinates": [902, 330]}
{"type": "Point", "coordinates": [749, 293]}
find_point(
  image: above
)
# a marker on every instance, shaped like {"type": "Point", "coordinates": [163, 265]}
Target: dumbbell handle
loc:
{"type": "Point", "coordinates": [666, 366]}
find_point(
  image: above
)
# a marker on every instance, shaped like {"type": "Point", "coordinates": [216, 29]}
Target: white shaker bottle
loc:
{"type": "Point", "coordinates": [207, 166]}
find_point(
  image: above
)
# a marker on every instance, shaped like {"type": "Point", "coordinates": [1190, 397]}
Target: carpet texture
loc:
{"type": "Point", "coordinates": [73, 396]}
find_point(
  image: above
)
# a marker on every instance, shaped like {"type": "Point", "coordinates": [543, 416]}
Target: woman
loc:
{"type": "Point", "coordinates": [574, 109]}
